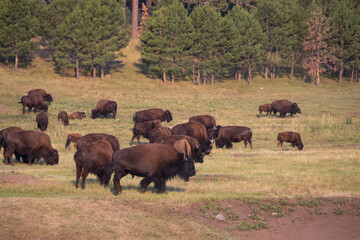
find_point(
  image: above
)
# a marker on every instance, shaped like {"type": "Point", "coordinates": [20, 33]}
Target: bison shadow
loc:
{"type": "Point", "coordinates": [150, 188]}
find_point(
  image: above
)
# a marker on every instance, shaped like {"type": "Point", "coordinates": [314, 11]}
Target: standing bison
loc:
{"type": "Point", "coordinates": [143, 129]}
{"type": "Point", "coordinates": [104, 107]}
{"type": "Point", "coordinates": [195, 130]}
{"type": "Point", "coordinates": [152, 114]}
{"type": "Point", "coordinates": [72, 137]}
{"type": "Point", "coordinates": [5, 132]}
{"type": "Point", "coordinates": [32, 144]}
{"type": "Point", "coordinates": [96, 158]}
{"type": "Point", "coordinates": [230, 134]}
{"type": "Point", "coordinates": [159, 132]}
{"type": "Point", "coordinates": [284, 106]}
{"type": "Point", "coordinates": [155, 162]}
{"type": "Point", "coordinates": [292, 137]}
{"type": "Point", "coordinates": [265, 108]}
{"type": "Point", "coordinates": [42, 120]}
{"type": "Point", "coordinates": [63, 117]}
{"type": "Point", "coordinates": [92, 137]}
{"type": "Point", "coordinates": [46, 97]}
{"type": "Point", "coordinates": [33, 101]}
{"type": "Point", "coordinates": [206, 120]}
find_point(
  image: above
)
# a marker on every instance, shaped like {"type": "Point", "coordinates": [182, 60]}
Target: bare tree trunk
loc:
{"type": "Point", "coordinates": [164, 77]}
{"type": "Point", "coordinates": [94, 73]}
{"type": "Point", "coordinates": [123, 6]}
{"type": "Point", "coordinates": [239, 75]}
{"type": "Point", "coordinates": [102, 74]}
{"type": "Point", "coordinates": [236, 73]}
{"type": "Point", "coordinates": [134, 19]}
{"type": "Point", "coordinates": [212, 79]}
{"type": "Point", "coordinates": [356, 74]}
{"type": "Point", "coordinates": [266, 71]}
{"type": "Point", "coordinates": [292, 66]}
{"type": "Point", "coordinates": [198, 76]}
{"type": "Point", "coordinates": [204, 80]}
{"type": "Point", "coordinates": [172, 78]}
{"type": "Point", "coordinates": [193, 72]}
{"type": "Point", "coordinates": [77, 69]}
{"type": "Point", "coordinates": [352, 75]}
{"type": "Point", "coordinates": [341, 72]}
{"type": "Point", "coordinates": [249, 74]}
{"type": "Point", "coordinates": [16, 63]}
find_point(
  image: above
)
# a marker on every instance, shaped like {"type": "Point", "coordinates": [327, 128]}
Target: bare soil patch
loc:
{"type": "Point", "coordinates": [21, 179]}
{"type": "Point", "coordinates": [316, 219]}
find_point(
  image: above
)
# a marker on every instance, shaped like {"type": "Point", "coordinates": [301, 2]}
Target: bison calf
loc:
{"type": "Point", "coordinates": [42, 120]}
{"type": "Point", "coordinates": [143, 129]}
{"type": "Point", "coordinates": [265, 108]}
{"type": "Point", "coordinates": [230, 134]}
{"type": "Point", "coordinates": [96, 158]}
{"type": "Point", "coordinates": [77, 115]}
{"type": "Point", "coordinates": [291, 137]}
{"type": "Point", "coordinates": [63, 116]}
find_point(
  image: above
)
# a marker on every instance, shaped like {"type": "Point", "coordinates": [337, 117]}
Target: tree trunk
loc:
{"type": "Point", "coordinates": [198, 77]}
{"type": "Point", "coordinates": [16, 63]}
{"type": "Point", "coordinates": [341, 72]}
{"type": "Point", "coordinates": [356, 74]}
{"type": "Point", "coordinates": [77, 69]}
{"type": "Point", "coordinates": [193, 73]}
{"type": "Point", "coordinates": [266, 71]}
{"type": "Point", "coordinates": [123, 6]}
{"type": "Point", "coordinates": [292, 66]}
{"type": "Point", "coordinates": [204, 80]}
{"type": "Point", "coordinates": [249, 74]}
{"type": "Point", "coordinates": [172, 78]}
{"type": "Point", "coordinates": [102, 73]}
{"type": "Point", "coordinates": [239, 75]}
{"type": "Point", "coordinates": [164, 77]}
{"type": "Point", "coordinates": [352, 75]}
{"type": "Point", "coordinates": [318, 75]}
{"type": "Point", "coordinates": [134, 19]}
{"type": "Point", "coordinates": [212, 78]}
{"type": "Point", "coordinates": [94, 73]}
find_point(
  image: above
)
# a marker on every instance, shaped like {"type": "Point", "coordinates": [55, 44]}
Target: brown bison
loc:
{"type": "Point", "coordinates": [42, 120]}
{"type": "Point", "coordinates": [104, 107]}
{"type": "Point", "coordinates": [96, 158]}
{"type": "Point", "coordinates": [197, 151]}
{"type": "Point", "coordinates": [152, 114]}
{"type": "Point", "coordinates": [77, 115]}
{"type": "Point", "coordinates": [32, 144]}
{"type": "Point", "coordinates": [206, 120]}
{"type": "Point", "coordinates": [214, 132]}
{"type": "Point", "coordinates": [284, 106]}
{"type": "Point", "coordinates": [159, 132]}
{"type": "Point", "coordinates": [92, 137]}
{"type": "Point", "coordinates": [143, 129]}
{"type": "Point", "coordinates": [195, 130]}
{"type": "Point", "coordinates": [63, 116]}
{"type": "Point", "coordinates": [265, 108]}
{"type": "Point", "coordinates": [46, 97]}
{"type": "Point", "coordinates": [72, 137]}
{"type": "Point", "coordinates": [155, 162]}
{"type": "Point", "coordinates": [34, 101]}
{"type": "Point", "coordinates": [292, 137]}
{"type": "Point", "coordinates": [6, 131]}
{"type": "Point", "coordinates": [230, 134]}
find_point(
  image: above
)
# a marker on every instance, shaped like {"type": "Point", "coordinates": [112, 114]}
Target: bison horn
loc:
{"type": "Point", "coordinates": [56, 152]}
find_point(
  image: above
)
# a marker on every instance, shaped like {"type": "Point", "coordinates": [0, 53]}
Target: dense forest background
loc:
{"type": "Point", "coordinates": [196, 40]}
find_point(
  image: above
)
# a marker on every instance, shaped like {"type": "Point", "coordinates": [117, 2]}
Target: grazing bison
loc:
{"type": "Point", "coordinates": [143, 129]}
{"type": "Point", "coordinates": [72, 137]}
{"type": "Point", "coordinates": [284, 106]}
{"type": "Point", "coordinates": [292, 137]}
{"type": "Point", "coordinates": [96, 158]}
{"type": "Point", "coordinates": [104, 107]}
{"type": "Point", "coordinates": [34, 101]}
{"type": "Point", "coordinates": [63, 116]}
{"type": "Point", "coordinates": [42, 120]}
{"type": "Point", "coordinates": [197, 151]}
{"type": "Point", "coordinates": [159, 132]}
{"type": "Point", "coordinates": [206, 120]}
{"type": "Point", "coordinates": [155, 162]}
{"type": "Point", "coordinates": [230, 134]}
{"type": "Point", "coordinates": [46, 97]}
{"type": "Point", "coordinates": [265, 108]}
{"type": "Point", "coordinates": [195, 130]}
{"type": "Point", "coordinates": [92, 137]}
{"type": "Point", "coordinates": [31, 143]}
{"type": "Point", "coordinates": [152, 114]}
{"type": "Point", "coordinates": [77, 115]}
{"type": "Point", "coordinates": [214, 132]}
{"type": "Point", "coordinates": [6, 131]}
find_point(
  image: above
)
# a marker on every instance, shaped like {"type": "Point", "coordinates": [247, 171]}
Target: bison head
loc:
{"type": "Point", "coordinates": [48, 98]}
{"type": "Point", "coordinates": [95, 113]}
{"type": "Point", "coordinates": [168, 116]}
{"type": "Point", "coordinates": [295, 108]}
{"type": "Point", "coordinates": [82, 115]}
{"type": "Point", "coordinates": [44, 107]}
{"type": "Point", "coordinates": [219, 142]}
{"type": "Point", "coordinates": [199, 154]}
{"type": "Point", "coordinates": [53, 158]}
{"type": "Point", "coordinates": [300, 146]}
{"type": "Point", "coordinates": [188, 167]}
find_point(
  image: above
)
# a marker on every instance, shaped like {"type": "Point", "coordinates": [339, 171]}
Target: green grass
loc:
{"type": "Point", "coordinates": [329, 126]}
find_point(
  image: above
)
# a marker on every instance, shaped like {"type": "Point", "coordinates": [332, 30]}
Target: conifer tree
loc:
{"type": "Point", "coordinates": [166, 40]}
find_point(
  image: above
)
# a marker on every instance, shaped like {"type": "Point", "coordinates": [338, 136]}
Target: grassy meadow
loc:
{"type": "Point", "coordinates": [329, 165]}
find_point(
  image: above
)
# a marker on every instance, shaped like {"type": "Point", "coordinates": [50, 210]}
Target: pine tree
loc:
{"type": "Point", "coordinates": [166, 40]}
{"type": "Point", "coordinates": [17, 25]}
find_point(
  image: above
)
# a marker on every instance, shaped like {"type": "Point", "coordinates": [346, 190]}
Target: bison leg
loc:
{"type": "Point", "coordinates": [260, 113]}
{"type": "Point", "coordinates": [84, 174]}
{"type": "Point", "coordinates": [160, 184]}
{"type": "Point", "coordinates": [228, 145]}
{"type": "Point", "coordinates": [116, 181]}
{"type": "Point", "coordinates": [78, 173]}
{"type": "Point", "coordinates": [279, 145]}
{"type": "Point", "coordinates": [145, 183]}
{"type": "Point", "coordinates": [29, 159]}
{"type": "Point", "coordinates": [133, 137]}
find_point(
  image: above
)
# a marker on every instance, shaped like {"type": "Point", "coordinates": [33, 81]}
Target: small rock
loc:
{"type": "Point", "coordinates": [220, 217]}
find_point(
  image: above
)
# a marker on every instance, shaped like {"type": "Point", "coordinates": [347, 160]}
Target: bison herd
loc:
{"type": "Point", "coordinates": [171, 152]}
